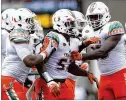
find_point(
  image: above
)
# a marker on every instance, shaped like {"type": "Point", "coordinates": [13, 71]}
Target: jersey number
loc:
{"type": "Point", "coordinates": [63, 64]}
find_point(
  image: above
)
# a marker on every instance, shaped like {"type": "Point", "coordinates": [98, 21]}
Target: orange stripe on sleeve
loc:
{"type": "Point", "coordinates": [45, 44]}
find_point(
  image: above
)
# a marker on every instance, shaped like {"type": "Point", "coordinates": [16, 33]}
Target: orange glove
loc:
{"type": "Point", "coordinates": [92, 78]}
{"type": "Point", "coordinates": [54, 88]}
{"type": "Point", "coordinates": [84, 66]}
{"type": "Point", "coordinates": [75, 55]}
{"type": "Point", "coordinates": [91, 40]}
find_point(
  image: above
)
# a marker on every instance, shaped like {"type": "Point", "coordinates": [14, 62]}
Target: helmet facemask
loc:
{"type": "Point", "coordinates": [70, 27]}
{"type": "Point", "coordinates": [95, 20]}
{"type": "Point", "coordinates": [64, 21]}
{"type": "Point", "coordinates": [81, 25]}
{"type": "Point", "coordinates": [66, 27]}
{"type": "Point", "coordinates": [31, 23]}
{"type": "Point", "coordinates": [27, 24]}
{"type": "Point", "coordinates": [98, 20]}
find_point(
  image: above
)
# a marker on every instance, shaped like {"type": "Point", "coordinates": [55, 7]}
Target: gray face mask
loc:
{"type": "Point", "coordinates": [31, 24]}
{"type": "Point", "coordinates": [95, 20]}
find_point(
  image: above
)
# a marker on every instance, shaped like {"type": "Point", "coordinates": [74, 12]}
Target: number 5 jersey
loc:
{"type": "Point", "coordinates": [58, 53]}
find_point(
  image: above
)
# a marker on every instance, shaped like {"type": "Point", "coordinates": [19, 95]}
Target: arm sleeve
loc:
{"type": "Point", "coordinates": [50, 43]}
{"type": "Point", "coordinates": [22, 50]}
{"type": "Point", "coordinates": [115, 28]}
{"type": "Point", "coordinates": [19, 36]}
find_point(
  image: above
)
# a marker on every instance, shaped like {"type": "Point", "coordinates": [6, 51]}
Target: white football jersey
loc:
{"type": "Point", "coordinates": [75, 43]}
{"type": "Point", "coordinates": [115, 60]}
{"type": "Point", "coordinates": [4, 35]}
{"type": "Point", "coordinates": [59, 60]}
{"type": "Point", "coordinates": [86, 32]}
{"type": "Point", "coordinates": [16, 50]}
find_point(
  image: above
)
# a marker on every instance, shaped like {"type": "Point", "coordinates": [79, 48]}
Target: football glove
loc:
{"type": "Point", "coordinates": [75, 55]}
{"type": "Point", "coordinates": [91, 41]}
{"type": "Point", "coordinates": [54, 88]}
{"type": "Point", "coordinates": [92, 79]}
{"type": "Point", "coordinates": [85, 66]}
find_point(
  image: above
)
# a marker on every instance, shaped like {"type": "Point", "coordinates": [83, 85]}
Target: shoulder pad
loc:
{"type": "Point", "coordinates": [19, 36]}
{"type": "Point", "coordinates": [53, 35]}
{"type": "Point", "coordinates": [116, 27]}
{"type": "Point", "coordinates": [86, 32]}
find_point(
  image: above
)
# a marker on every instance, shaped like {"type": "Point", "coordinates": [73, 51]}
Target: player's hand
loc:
{"type": "Point", "coordinates": [91, 40]}
{"type": "Point", "coordinates": [92, 79]}
{"type": "Point", "coordinates": [54, 88]}
{"type": "Point", "coordinates": [75, 55]}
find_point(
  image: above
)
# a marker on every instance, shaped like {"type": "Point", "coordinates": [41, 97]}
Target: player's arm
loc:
{"type": "Point", "coordinates": [26, 55]}
{"type": "Point", "coordinates": [80, 71]}
{"type": "Point", "coordinates": [103, 51]}
{"type": "Point", "coordinates": [54, 87]}
{"type": "Point", "coordinates": [50, 44]}
{"type": "Point", "coordinates": [115, 34]}
{"type": "Point", "coordinates": [87, 42]}
{"type": "Point", "coordinates": [76, 70]}
{"type": "Point", "coordinates": [20, 41]}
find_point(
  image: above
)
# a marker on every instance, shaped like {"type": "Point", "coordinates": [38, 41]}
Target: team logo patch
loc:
{"type": "Point", "coordinates": [115, 28]}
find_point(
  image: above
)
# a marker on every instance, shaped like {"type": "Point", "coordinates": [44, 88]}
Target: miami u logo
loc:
{"type": "Point", "coordinates": [92, 7]}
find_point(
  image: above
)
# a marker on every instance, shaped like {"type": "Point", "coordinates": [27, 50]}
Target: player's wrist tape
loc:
{"type": "Point", "coordinates": [47, 77]}
{"type": "Point", "coordinates": [43, 55]}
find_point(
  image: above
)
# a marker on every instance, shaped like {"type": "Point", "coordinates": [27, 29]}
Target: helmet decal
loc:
{"type": "Point", "coordinates": [92, 7]}
{"type": "Point", "coordinates": [15, 20]}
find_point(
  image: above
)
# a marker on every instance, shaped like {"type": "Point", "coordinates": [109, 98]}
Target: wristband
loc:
{"type": "Point", "coordinates": [47, 77]}
{"type": "Point", "coordinates": [43, 55]}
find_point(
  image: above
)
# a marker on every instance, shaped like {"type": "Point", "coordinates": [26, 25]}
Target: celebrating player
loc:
{"type": "Point", "coordinates": [19, 58]}
{"type": "Point", "coordinates": [57, 51]}
{"type": "Point", "coordinates": [110, 54]}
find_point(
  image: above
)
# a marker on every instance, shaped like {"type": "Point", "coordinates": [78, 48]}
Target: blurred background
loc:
{"type": "Point", "coordinates": [44, 10]}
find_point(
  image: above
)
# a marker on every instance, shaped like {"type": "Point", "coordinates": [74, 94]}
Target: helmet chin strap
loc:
{"type": "Point", "coordinates": [96, 26]}
{"type": "Point", "coordinates": [95, 29]}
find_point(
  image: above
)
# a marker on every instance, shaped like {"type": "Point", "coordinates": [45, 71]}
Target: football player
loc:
{"type": "Point", "coordinates": [81, 26]}
{"type": "Point", "coordinates": [110, 53]}
{"type": "Point", "coordinates": [7, 27]}
{"type": "Point", "coordinates": [82, 41]}
{"type": "Point", "coordinates": [58, 55]}
{"type": "Point", "coordinates": [20, 57]}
